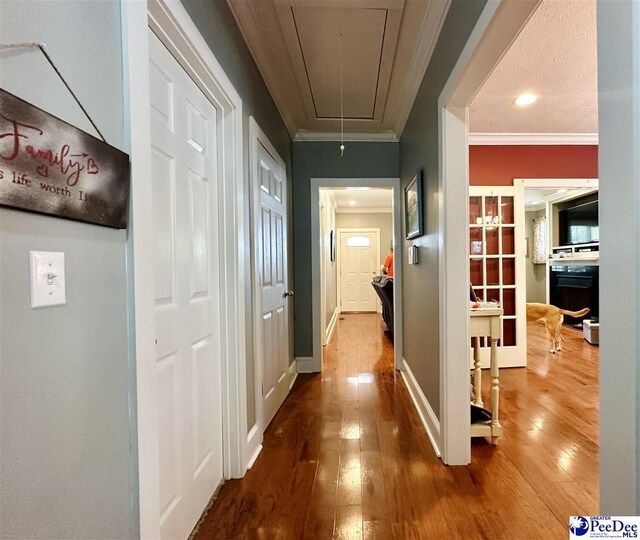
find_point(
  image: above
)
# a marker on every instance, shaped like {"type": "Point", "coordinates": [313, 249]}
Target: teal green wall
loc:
{"type": "Point", "coordinates": [322, 160]}
{"type": "Point", "coordinates": [419, 149]}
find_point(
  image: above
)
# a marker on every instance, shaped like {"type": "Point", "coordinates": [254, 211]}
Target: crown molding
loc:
{"type": "Point", "coordinates": [326, 136]}
{"type": "Point", "coordinates": [251, 22]}
{"type": "Point", "coordinates": [533, 138]}
{"type": "Point", "coordinates": [371, 210]}
{"type": "Point", "coordinates": [431, 26]}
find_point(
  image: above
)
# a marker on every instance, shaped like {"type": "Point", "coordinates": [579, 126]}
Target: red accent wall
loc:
{"type": "Point", "coordinates": [499, 165]}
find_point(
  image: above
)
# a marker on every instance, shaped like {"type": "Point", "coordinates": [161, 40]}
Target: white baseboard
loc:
{"type": "Point", "coordinates": [306, 364]}
{"type": "Point", "coordinates": [254, 445]}
{"type": "Point", "coordinates": [293, 373]}
{"type": "Point", "coordinates": [253, 458]}
{"type": "Point", "coordinates": [331, 326]}
{"type": "Point", "coordinates": [429, 419]}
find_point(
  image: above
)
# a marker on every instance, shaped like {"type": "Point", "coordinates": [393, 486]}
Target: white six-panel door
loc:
{"type": "Point", "coordinates": [271, 255]}
{"type": "Point", "coordinates": [184, 164]}
{"type": "Point", "coordinates": [358, 263]}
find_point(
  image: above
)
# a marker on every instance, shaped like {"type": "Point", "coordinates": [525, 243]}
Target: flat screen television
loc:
{"type": "Point", "coordinates": [579, 224]}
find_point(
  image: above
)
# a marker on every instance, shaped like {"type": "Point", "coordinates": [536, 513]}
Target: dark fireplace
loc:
{"type": "Point", "coordinates": [573, 288]}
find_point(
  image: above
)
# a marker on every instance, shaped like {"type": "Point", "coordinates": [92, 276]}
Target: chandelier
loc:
{"type": "Point", "coordinates": [489, 222]}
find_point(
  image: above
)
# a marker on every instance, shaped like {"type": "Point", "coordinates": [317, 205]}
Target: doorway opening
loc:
{"type": "Point", "coordinates": [355, 224]}
{"type": "Point", "coordinates": [562, 244]}
{"type": "Point", "coordinates": [494, 236]}
{"type": "Point", "coordinates": [356, 229]}
{"type": "Point", "coordinates": [534, 238]}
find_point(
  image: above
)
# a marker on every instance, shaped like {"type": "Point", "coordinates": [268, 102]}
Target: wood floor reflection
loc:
{"type": "Point", "coordinates": [346, 457]}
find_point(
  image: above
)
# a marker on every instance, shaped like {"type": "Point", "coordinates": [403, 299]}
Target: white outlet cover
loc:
{"type": "Point", "coordinates": [47, 278]}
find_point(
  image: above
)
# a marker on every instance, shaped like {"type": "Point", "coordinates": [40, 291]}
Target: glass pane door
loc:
{"type": "Point", "coordinates": [496, 258]}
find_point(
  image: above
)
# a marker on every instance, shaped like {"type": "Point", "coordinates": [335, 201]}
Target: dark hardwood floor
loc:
{"type": "Point", "coordinates": [346, 456]}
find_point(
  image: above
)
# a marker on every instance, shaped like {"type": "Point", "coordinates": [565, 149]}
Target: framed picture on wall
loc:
{"type": "Point", "coordinates": [413, 207]}
{"type": "Point", "coordinates": [332, 246]}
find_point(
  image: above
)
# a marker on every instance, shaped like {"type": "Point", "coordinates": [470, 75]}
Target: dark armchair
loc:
{"type": "Point", "coordinates": [383, 285]}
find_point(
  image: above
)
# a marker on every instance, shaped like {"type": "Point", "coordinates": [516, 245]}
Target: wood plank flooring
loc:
{"type": "Point", "coordinates": [346, 457]}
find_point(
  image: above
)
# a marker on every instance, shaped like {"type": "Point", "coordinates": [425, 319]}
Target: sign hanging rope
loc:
{"type": "Point", "coordinates": [41, 47]}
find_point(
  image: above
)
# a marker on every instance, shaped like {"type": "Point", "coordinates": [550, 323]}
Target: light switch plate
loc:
{"type": "Point", "coordinates": [413, 254]}
{"type": "Point", "coordinates": [47, 278]}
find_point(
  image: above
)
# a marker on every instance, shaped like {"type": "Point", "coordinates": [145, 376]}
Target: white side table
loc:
{"type": "Point", "coordinates": [487, 322]}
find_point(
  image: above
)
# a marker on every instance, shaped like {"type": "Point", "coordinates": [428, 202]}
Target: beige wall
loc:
{"type": "Point", "coordinates": [536, 273]}
{"type": "Point", "coordinates": [378, 220]}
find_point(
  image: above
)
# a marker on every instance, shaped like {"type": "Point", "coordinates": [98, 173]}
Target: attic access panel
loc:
{"type": "Point", "coordinates": [369, 40]}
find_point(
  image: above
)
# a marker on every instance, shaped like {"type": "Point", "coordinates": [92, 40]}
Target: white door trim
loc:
{"type": "Point", "coordinates": [314, 364]}
{"type": "Point", "coordinates": [498, 25]}
{"type": "Point", "coordinates": [521, 184]}
{"type": "Point", "coordinates": [347, 230]}
{"type": "Point", "coordinates": [171, 23]}
{"type": "Point", "coordinates": [256, 432]}
{"type": "Point", "coordinates": [556, 183]}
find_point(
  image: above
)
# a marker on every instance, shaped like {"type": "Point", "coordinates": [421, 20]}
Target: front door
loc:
{"type": "Point", "coordinates": [184, 156]}
{"type": "Point", "coordinates": [271, 254]}
{"type": "Point", "coordinates": [358, 263]}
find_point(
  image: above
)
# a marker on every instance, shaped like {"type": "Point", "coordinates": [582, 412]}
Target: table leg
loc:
{"type": "Point", "coordinates": [477, 373]}
{"type": "Point", "coordinates": [495, 391]}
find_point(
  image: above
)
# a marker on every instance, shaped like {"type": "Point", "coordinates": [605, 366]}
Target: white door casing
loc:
{"type": "Point", "coordinates": [184, 176]}
{"type": "Point", "coordinates": [313, 363]}
{"type": "Point", "coordinates": [273, 376]}
{"type": "Point", "coordinates": [358, 263]}
{"type": "Point", "coordinates": [494, 32]}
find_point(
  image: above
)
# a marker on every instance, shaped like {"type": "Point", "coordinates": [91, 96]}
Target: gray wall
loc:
{"type": "Point", "coordinates": [66, 459]}
{"type": "Point", "coordinates": [619, 173]}
{"type": "Point", "coordinates": [419, 149]}
{"type": "Point", "coordinates": [376, 220]}
{"type": "Point", "coordinates": [219, 29]}
{"type": "Point", "coordinates": [322, 160]}
{"type": "Point", "coordinates": [536, 274]}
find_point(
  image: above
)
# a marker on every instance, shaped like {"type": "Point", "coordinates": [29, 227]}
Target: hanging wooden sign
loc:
{"type": "Point", "coordinates": [49, 166]}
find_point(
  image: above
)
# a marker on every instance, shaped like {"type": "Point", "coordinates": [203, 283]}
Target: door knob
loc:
{"type": "Point", "coordinates": [287, 293]}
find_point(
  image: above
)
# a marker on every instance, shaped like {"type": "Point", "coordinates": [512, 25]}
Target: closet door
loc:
{"type": "Point", "coordinates": [184, 158]}
{"type": "Point", "coordinates": [497, 265]}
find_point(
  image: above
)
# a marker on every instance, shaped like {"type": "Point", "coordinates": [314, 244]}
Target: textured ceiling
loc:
{"type": "Point", "coordinates": [383, 47]}
{"type": "Point", "coordinates": [554, 57]}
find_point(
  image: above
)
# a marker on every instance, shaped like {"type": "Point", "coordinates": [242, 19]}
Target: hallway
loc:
{"type": "Point", "coordinates": [347, 457]}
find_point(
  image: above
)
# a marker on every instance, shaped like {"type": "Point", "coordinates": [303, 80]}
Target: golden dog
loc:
{"type": "Point", "coordinates": [552, 318]}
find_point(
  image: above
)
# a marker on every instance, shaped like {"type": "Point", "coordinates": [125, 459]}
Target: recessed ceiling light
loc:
{"type": "Point", "coordinates": [352, 203]}
{"type": "Point", "coordinates": [525, 99]}
{"type": "Point", "coordinates": [357, 188]}
{"type": "Point", "coordinates": [533, 203]}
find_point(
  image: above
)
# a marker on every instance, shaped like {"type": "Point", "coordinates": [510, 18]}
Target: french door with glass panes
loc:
{"type": "Point", "coordinates": [497, 265]}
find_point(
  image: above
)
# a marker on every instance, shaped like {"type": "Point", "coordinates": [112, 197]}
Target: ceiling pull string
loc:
{"type": "Point", "coordinates": [341, 94]}
{"type": "Point", "coordinates": [41, 46]}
